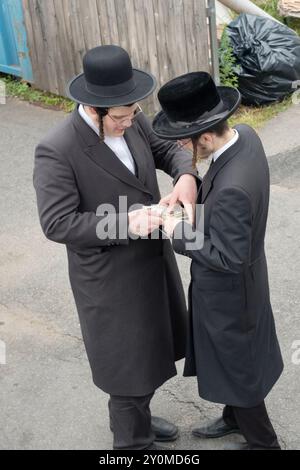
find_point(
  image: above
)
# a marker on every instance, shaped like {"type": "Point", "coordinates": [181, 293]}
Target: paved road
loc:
{"type": "Point", "coordinates": [48, 399]}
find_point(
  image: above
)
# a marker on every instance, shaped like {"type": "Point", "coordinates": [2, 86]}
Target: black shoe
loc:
{"type": "Point", "coordinates": [164, 430]}
{"type": "Point", "coordinates": [217, 428]}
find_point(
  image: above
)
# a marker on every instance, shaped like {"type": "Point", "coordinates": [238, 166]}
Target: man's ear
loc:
{"type": "Point", "coordinates": [91, 110]}
{"type": "Point", "coordinates": [205, 138]}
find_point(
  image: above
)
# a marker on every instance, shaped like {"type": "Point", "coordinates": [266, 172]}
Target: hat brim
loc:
{"type": "Point", "coordinates": [145, 86]}
{"type": "Point", "coordinates": [162, 128]}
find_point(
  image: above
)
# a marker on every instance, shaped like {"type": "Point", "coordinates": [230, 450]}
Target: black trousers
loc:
{"type": "Point", "coordinates": [254, 424]}
{"type": "Point", "coordinates": [130, 418]}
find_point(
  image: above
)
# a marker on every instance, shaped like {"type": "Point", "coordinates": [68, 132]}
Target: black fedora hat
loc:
{"type": "Point", "coordinates": [192, 104]}
{"type": "Point", "coordinates": [109, 80]}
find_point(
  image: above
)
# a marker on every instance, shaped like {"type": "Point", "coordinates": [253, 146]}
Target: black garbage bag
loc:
{"type": "Point", "coordinates": [268, 58]}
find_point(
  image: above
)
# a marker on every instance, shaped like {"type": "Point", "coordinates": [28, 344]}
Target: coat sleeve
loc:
{"type": "Point", "coordinates": [58, 205]}
{"type": "Point", "coordinates": [227, 246]}
{"type": "Point", "coordinates": [167, 156]}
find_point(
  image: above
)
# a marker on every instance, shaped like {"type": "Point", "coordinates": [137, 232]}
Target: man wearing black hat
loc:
{"type": "Point", "coordinates": [232, 347]}
{"type": "Point", "coordinates": [89, 171]}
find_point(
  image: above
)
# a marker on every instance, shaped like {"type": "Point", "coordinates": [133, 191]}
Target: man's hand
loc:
{"type": "Point", "coordinates": [184, 192]}
{"type": "Point", "coordinates": [142, 222]}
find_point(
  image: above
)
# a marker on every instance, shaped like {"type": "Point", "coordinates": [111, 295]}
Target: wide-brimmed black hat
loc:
{"type": "Point", "coordinates": [109, 80]}
{"type": "Point", "coordinates": [192, 104]}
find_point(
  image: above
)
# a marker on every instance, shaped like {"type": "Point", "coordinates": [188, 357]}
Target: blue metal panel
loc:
{"type": "Point", "coordinates": [8, 50]}
{"type": "Point", "coordinates": [16, 10]}
{"type": "Point", "coordinates": [11, 70]}
{"type": "Point", "coordinates": [14, 54]}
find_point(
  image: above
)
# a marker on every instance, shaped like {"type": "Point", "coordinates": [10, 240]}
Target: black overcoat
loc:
{"type": "Point", "coordinates": [128, 292]}
{"type": "Point", "coordinates": [232, 346]}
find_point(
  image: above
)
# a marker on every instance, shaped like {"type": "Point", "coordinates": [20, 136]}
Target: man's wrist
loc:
{"type": "Point", "coordinates": [192, 174]}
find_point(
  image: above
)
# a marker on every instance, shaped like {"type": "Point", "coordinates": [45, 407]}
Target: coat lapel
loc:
{"type": "Point", "coordinates": [137, 152]}
{"type": "Point", "coordinates": [104, 157]}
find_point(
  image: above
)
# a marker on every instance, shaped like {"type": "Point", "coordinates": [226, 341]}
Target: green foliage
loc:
{"type": "Point", "coordinates": [24, 91]}
{"type": "Point", "coordinates": [271, 7]}
{"type": "Point", "coordinates": [227, 62]}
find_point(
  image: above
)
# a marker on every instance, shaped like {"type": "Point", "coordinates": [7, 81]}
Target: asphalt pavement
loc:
{"type": "Point", "coordinates": [48, 400]}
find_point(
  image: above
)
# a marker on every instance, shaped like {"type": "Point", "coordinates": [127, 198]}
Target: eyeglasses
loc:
{"type": "Point", "coordinates": [131, 117]}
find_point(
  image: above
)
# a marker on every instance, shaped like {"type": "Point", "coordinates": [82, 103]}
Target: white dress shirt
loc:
{"type": "Point", "coordinates": [225, 147]}
{"type": "Point", "coordinates": [117, 144]}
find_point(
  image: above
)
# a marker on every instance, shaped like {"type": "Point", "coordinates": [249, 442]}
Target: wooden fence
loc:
{"type": "Point", "coordinates": [165, 37]}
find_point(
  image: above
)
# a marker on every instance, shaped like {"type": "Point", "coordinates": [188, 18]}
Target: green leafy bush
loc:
{"type": "Point", "coordinates": [227, 62]}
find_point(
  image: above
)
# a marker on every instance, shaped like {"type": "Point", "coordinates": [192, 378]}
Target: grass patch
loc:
{"type": "Point", "coordinates": [256, 117]}
{"type": "Point", "coordinates": [24, 91]}
{"type": "Point", "coordinates": [271, 7]}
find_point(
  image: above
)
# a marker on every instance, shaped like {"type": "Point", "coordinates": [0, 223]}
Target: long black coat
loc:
{"type": "Point", "coordinates": [128, 293]}
{"type": "Point", "coordinates": [232, 346]}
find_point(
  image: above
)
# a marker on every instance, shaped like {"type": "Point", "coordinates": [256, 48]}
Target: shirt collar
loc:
{"type": "Point", "coordinates": [225, 147]}
{"type": "Point", "coordinates": [87, 119]}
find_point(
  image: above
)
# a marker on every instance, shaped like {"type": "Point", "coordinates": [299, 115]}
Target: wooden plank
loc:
{"type": "Point", "coordinates": [64, 50]}
{"type": "Point", "coordinates": [90, 23]}
{"type": "Point", "coordinates": [103, 23]}
{"type": "Point", "coordinates": [171, 40]}
{"type": "Point", "coordinates": [201, 35]}
{"type": "Point", "coordinates": [40, 67]}
{"type": "Point", "coordinates": [48, 25]}
{"type": "Point", "coordinates": [30, 37]}
{"type": "Point", "coordinates": [78, 41]}
{"type": "Point", "coordinates": [190, 35]}
{"type": "Point", "coordinates": [134, 44]}
{"type": "Point", "coordinates": [144, 16]}
{"type": "Point", "coordinates": [112, 21]}
{"type": "Point", "coordinates": [176, 39]}
{"type": "Point", "coordinates": [68, 36]}
{"type": "Point", "coordinates": [122, 21]}
{"type": "Point", "coordinates": [147, 35]}
{"type": "Point", "coordinates": [54, 56]}
{"type": "Point", "coordinates": [161, 16]}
